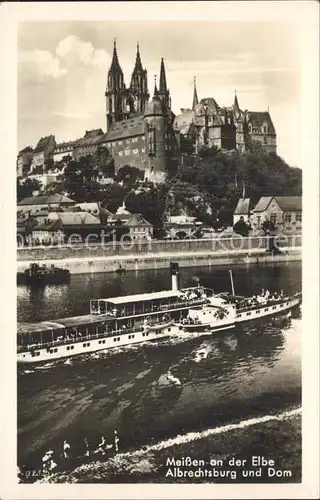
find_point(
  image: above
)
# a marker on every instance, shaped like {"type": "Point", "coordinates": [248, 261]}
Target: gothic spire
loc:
{"type": "Point", "coordinates": [115, 66]}
{"type": "Point", "coordinates": [163, 81]}
{"type": "Point", "coordinates": [236, 104]}
{"type": "Point", "coordinates": [195, 94]}
{"type": "Point", "coordinates": [155, 92]}
{"type": "Point", "coordinates": [138, 65]}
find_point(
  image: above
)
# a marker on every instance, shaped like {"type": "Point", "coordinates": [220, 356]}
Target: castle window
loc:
{"type": "Point", "coordinates": [250, 128]}
{"type": "Point", "coordinates": [273, 218]}
{"type": "Point", "coordinates": [298, 217]}
{"type": "Point", "coordinates": [265, 129]}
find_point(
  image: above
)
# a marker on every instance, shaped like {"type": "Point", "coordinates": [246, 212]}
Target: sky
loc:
{"type": "Point", "coordinates": [63, 66]}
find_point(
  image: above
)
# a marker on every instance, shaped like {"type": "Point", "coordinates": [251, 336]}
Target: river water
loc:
{"type": "Point", "coordinates": [230, 378]}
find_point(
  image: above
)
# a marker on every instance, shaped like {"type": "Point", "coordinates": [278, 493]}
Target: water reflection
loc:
{"type": "Point", "coordinates": [35, 304]}
{"type": "Point", "coordinates": [252, 370]}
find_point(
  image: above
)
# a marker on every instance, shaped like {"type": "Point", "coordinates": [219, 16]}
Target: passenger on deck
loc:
{"type": "Point", "coordinates": [66, 449]}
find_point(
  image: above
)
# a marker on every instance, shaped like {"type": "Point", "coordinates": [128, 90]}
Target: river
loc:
{"type": "Point", "coordinates": [252, 373]}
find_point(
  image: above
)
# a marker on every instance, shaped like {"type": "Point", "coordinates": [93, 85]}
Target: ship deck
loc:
{"type": "Point", "coordinates": [72, 322]}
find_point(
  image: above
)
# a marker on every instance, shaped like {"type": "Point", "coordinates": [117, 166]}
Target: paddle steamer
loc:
{"type": "Point", "coordinates": [122, 321]}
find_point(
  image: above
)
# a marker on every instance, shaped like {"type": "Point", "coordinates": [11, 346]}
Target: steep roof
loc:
{"type": "Point", "coordinates": [77, 218]}
{"type": "Point", "coordinates": [45, 200]}
{"type": "Point", "coordinates": [163, 80]}
{"type": "Point", "coordinates": [28, 149]}
{"type": "Point", "coordinates": [126, 128]}
{"type": "Point", "coordinates": [263, 204]}
{"type": "Point", "coordinates": [93, 133]}
{"type": "Point", "coordinates": [43, 143]}
{"type": "Point", "coordinates": [258, 118]}
{"type": "Point", "coordinates": [289, 203]}
{"type": "Point", "coordinates": [137, 220]}
{"type": "Point", "coordinates": [242, 206]}
{"type": "Point", "coordinates": [211, 103]}
{"type": "Point", "coordinates": [90, 137]}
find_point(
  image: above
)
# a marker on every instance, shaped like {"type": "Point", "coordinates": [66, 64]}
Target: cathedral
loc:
{"type": "Point", "coordinates": [227, 128]}
{"type": "Point", "coordinates": [140, 130]}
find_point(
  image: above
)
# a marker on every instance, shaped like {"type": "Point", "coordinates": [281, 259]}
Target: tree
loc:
{"type": "Point", "coordinates": [150, 203]}
{"type": "Point", "coordinates": [129, 175]}
{"type": "Point", "coordinates": [27, 188]}
{"type": "Point", "coordinates": [113, 196]}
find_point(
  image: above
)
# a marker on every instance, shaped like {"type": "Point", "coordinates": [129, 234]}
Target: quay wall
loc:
{"type": "Point", "coordinates": [81, 259]}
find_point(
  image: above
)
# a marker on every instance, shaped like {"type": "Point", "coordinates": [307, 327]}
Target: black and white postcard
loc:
{"type": "Point", "coordinates": [160, 255]}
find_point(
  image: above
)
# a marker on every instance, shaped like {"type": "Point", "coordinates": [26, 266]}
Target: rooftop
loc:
{"type": "Point", "coordinates": [242, 207]}
{"type": "Point", "coordinates": [289, 203]}
{"type": "Point", "coordinates": [286, 203]}
{"type": "Point", "coordinates": [45, 200]}
{"type": "Point", "coordinates": [258, 118]}
{"type": "Point", "coordinates": [126, 128]}
{"type": "Point", "coordinates": [43, 143]}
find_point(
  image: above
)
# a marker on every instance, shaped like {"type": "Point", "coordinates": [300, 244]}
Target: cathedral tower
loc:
{"type": "Point", "coordinates": [155, 133]}
{"type": "Point", "coordinates": [163, 91]}
{"type": "Point", "coordinates": [115, 92]}
{"type": "Point", "coordinates": [139, 85]}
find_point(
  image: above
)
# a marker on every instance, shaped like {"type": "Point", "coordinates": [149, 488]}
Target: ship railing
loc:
{"type": "Point", "coordinates": [268, 303]}
{"type": "Point", "coordinates": [162, 308]}
{"type": "Point", "coordinates": [93, 336]}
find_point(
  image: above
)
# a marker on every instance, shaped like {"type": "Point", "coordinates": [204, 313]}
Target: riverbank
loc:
{"type": "Point", "coordinates": [135, 262]}
{"type": "Point", "coordinates": [159, 463]}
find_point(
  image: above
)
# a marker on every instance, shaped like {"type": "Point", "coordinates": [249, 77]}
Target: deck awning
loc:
{"type": "Point", "coordinates": [142, 297]}
{"type": "Point", "coordinates": [45, 326]}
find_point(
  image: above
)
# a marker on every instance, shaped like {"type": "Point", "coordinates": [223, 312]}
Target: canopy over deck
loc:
{"type": "Point", "coordinates": [142, 297]}
{"type": "Point", "coordinates": [44, 326]}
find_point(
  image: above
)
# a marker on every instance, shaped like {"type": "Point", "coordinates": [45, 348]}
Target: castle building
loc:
{"type": "Point", "coordinates": [88, 144]}
{"type": "Point", "coordinates": [43, 151]}
{"type": "Point", "coordinates": [139, 130]}
{"type": "Point", "coordinates": [227, 128]}
{"type": "Point", "coordinates": [24, 160]}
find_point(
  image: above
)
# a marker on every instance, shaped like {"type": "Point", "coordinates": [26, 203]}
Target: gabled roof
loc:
{"type": "Point", "coordinates": [137, 220]}
{"type": "Point", "coordinates": [90, 137]}
{"type": "Point", "coordinates": [286, 203]}
{"type": "Point", "coordinates": [289, 203]}
{"type": "Point", "coordinates": [211, 103]}
{"type": "Point", "coordinates": [242, 207]}
{"type": "Point", "coordinates": [77, 218]}
{"type": "Point", "coordinates": [43, 143]}
{"type": "Point", "coordinates": [263, 204]}
{"type": "Point", "coordinates": [258, 118]}
{"type": "Point", "coordinates": [126, 128]}
{"type": "Point", "coordinates": [28, 149]}
{"type": "Point", "coordinates": [45, 200]}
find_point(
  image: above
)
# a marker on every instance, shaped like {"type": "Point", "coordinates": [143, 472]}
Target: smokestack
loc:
{"type": "Point", "coordinates": [174, 271]}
